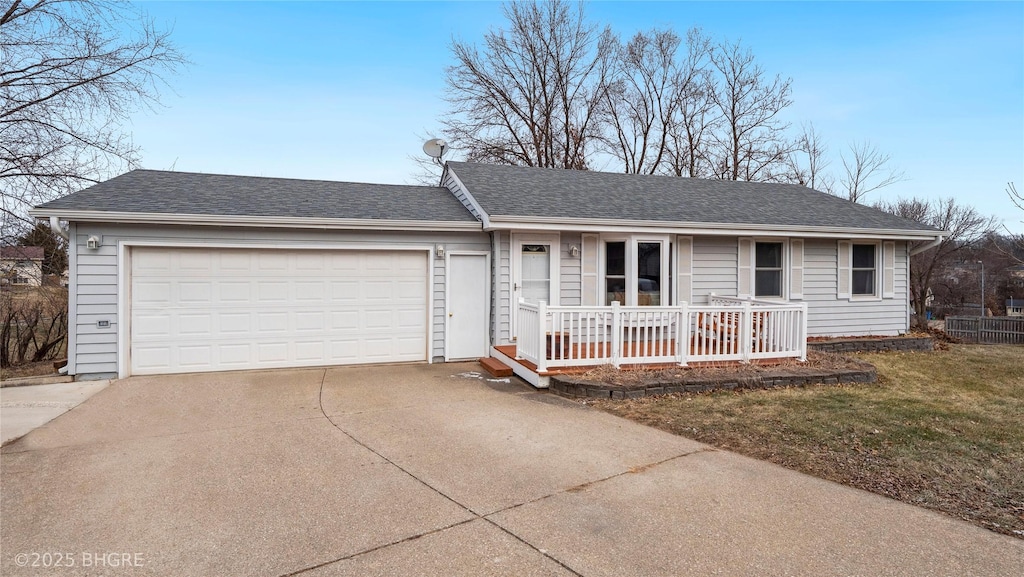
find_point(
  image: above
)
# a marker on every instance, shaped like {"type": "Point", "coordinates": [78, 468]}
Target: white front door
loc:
{"type": "Point", "coordinates": [468, 319]}
{"type": "Point", "coordinates": [534, 271]}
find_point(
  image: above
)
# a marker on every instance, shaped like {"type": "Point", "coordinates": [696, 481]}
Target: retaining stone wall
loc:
{"type": "Point", "coordinates": [567, 386]}
{"type": "Point", "coordinates": [873, 345]}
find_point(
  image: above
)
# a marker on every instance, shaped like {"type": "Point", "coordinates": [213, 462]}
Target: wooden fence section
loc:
{"type": "Point", "coordinates": [987, 330]}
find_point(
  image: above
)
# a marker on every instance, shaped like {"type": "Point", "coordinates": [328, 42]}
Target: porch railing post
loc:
{"type": "Point", "coordinates": [683, 334]}
{"type": "Point", "coordinates": [616, 333]}
{"type": "Point", "coordinates": [746, 332]}
{"type": "Point", "coordinates": [542, 341]}
{"type": "Point", "coordinates": [803, 331]}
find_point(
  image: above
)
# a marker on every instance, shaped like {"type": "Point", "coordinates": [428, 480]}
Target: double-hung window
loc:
{"type": "Point", "coordinates": [768, 269]}
{"type": "Point", "coordinates": [863, 272]}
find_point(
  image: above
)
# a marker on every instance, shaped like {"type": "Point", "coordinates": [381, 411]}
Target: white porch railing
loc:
{"type": "Point", "coordinates": [727, 330]}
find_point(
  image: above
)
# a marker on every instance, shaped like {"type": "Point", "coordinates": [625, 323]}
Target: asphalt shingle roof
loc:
{"type": "Point", "coordinates": [155, 191]}
{"type": "Point", "coordinates": [22, 252]}
{"type": "Point", "coordinates": [551, 192]}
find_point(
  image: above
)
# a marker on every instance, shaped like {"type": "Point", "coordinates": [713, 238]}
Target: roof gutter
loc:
{"type": "Point", "coordinates": [258, 221]}
{"type": "Point", "coordinates": [938, 240]}
{"type": "Point", "coordinates": [57, 230]}
{"type": "Point", "coordinates": [711, 229]}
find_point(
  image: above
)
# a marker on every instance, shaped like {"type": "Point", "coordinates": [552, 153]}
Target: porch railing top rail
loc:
{"type": "Point", "coordinates": [733, 301]}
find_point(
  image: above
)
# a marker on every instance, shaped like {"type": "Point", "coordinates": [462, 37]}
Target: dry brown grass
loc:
{"type": "Point", "coordinates": [941, 430]}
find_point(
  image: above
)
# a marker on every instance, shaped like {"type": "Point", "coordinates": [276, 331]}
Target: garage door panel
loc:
{"type": "Point", "coordinates": [195, 356]}
{"type": "Point", "coordinates": [150, 325]}
{"type": "Point", "coordinates": [193, 293]}
{"type": "Point", "coordinates": [242, 308]}
{"type": "Point", "coordinates": [310, 350]}
{"type": "Point", "coordinates": [276, 322]}
{"type": "Point", "coordinates": [271, 292]}
{"type": "Point", "coordinates": [234, 324]}
{"type": "Point", "coordinates": [195, 324]}
{"type": "Point", "coordinates": [229, 292]}
{"type": "Point", "coordinates": [234, 261]}
{"type": "Point", "coordinates": [310, 291]}
{"type": "Point", "coordinates": [234, 354]}
{"type": "Point", "coordinates": [273, 260]}
{"type": "Point", "coordinates": [195, 261]}
{"type": "Point", "coordinates": [146, 358]}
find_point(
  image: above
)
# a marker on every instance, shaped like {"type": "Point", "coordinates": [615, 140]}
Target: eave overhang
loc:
{"type": "Point", "coordinates": [533, 223]}
{"type": "Point", "coordinates": [252, 221]}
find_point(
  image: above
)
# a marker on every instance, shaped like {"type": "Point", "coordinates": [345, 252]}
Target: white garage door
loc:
{"type": "Point", "coordinates": [225, 309]}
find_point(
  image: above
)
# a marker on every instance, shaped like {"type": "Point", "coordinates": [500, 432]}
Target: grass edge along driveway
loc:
{"type": "Point", "coordinates": [942, 430]}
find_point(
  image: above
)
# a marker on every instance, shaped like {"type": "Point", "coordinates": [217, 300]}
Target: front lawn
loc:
{"type": "Point", "coordinates": [943, 430]}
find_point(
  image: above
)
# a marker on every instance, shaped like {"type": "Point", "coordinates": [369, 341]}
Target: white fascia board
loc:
{"type": "Point", "coordinates": [484, 217]}
{"type": "Point", "coordinates": [708, 229]}
{"type": "Point", "coordinates": [261, 221]}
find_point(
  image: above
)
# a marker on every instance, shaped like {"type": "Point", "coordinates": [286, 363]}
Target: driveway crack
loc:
{"type": "Point", "coordinates": [473, 513]}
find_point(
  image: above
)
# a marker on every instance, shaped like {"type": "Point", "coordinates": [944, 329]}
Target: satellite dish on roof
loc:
{"type": "Point", "coordinates": [435, 148]}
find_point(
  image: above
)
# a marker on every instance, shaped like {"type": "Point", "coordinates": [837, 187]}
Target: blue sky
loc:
{"type": "Point", "coordinates": [347, 90]}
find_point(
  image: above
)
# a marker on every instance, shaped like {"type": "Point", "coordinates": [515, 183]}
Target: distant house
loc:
{"type": "Point", "coordinates": [1015, 307]}
{"type": "Point", "coordinates": [22, 265]}
{"type": "Point", "coordinates": [1016, 274]}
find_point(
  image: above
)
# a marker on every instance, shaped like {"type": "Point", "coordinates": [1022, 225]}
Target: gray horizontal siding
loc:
{"type": "Point", "coordinates": [96, 274]}
{"type": "Point", "coordinates": [715, 271]}
{"type": "Point", "coordinates": [569, 281]}
{"type": "Point", "coordinates": [714, 267]}
{"type": "Point", "coordinates": [831, 316]}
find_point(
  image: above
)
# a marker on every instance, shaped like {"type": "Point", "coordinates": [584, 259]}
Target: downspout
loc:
{"type": "Point", "coordinates": [918, 250]}
{"type": "Point", "coordinates": [57, 230]}
{"type": "Point", "coordinates": [932, 244]}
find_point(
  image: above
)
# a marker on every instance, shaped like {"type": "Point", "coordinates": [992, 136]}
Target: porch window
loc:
{"type": "Point", "coordinates": [635, 271]}
{"type": "Point", "coordinates": [648, 273]}
{"type": "Point", "coordinates": [615, 272]}
{"type": "Point", "coordinates": [768, 269]}
{"type": "Point", "coordinates": [863, 272]}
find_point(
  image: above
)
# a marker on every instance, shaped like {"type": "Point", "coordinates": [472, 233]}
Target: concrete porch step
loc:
{"type": "Point", "coordinates": [495, 367]}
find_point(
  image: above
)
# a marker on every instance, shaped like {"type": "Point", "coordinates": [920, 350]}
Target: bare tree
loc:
{"type": "Point", "coordinates": [695, 120]}
{"type": "Point", "coordinates": [71, 72]}
{"type": "Point", "coordinates": [531, 97]}
{"type": "Point", "coordinates": [640, 102]}
{"type": "Point", "coordinates": [751, 144]}
{"type": "Point", "coordinates": [865, 170]}
{"type": "Point", "coordinates": [808, 160]}
{"type": "Point", "coordinates": [963, 225]}
{"type": "Point", "coordinates": [1015, 246]}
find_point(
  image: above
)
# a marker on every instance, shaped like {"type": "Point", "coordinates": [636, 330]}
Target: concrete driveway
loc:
{"type": "Point", "coordinates": [421, 470]}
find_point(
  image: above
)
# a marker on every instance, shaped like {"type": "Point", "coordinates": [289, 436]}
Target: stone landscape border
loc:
{"type": "Point", "coordinates": [575, 387]}
{"type": "Point", "coordinates": [873, 345]}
